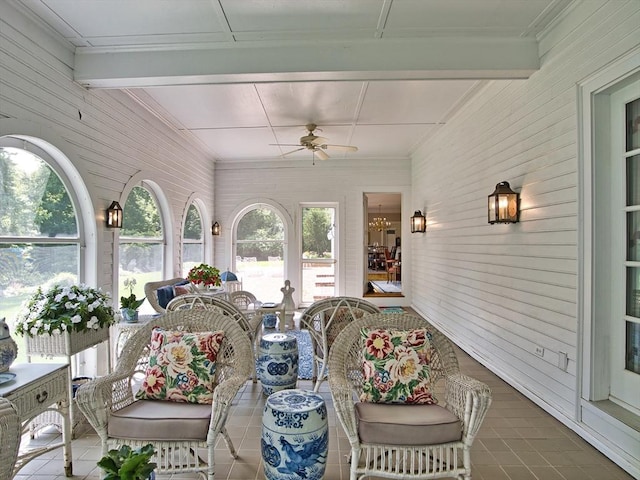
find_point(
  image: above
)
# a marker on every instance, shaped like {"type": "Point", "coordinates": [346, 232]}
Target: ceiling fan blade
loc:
{"type": "Point", "coordinates": [344, 148]}
{"type": "Point", "coordinates": [292, 151]}
{"type": "Point", "coordinates": [284, 145]}
{"type": "Point", "coordinates": [322, 155]}
{"type": "Point", "coordinates": [319, 141]}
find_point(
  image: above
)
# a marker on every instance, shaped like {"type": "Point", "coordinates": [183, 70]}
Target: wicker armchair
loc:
{"type": "Point", "coordinates": [217, 303]}
{"type": "Point", "coordinates": [151, 291]}
{"type": "Point", "coordinates": [10, 430]}
{"type": "Point", "coordinates": [177, 430]}
{"type": "Point", "coordinates": [325, 319]}
{"type": "Point", "coordinates": [383, 437]}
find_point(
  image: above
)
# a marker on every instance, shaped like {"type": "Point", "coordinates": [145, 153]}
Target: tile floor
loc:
{"type": "Point", "coordinates": [518, 441]}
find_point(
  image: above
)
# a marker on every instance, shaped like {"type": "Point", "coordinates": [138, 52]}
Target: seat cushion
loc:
{"type": "Point", "coordinates": [156, 420]}
{"type": "Point", "coordinates": [397, 424]}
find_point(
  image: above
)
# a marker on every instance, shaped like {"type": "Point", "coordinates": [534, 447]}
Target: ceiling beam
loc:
{"type": "Point", "coordinates": [386, 59]}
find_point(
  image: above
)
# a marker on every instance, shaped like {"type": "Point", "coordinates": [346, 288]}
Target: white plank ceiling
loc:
{"type": "Point", "coordinates": [236, 76]}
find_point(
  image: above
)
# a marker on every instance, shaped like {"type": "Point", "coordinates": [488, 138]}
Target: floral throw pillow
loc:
{"type": "Point", "coordinates": [182, 366]}
{"type": "Point", "coordinates": [396, 365]}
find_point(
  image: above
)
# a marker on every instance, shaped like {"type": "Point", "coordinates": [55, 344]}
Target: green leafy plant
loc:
{"type": "Point", "coordinates": [75, 308]}
{"type": "Point", "coordinates": [131, 302]}
{"type": "Point", "coordinates": [204, 274]}
{"type": "Point", "coordinates": [128, 464]}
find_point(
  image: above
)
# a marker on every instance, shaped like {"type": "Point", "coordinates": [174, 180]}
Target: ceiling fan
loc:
{"type": "Point", "coordinates": [316, 144]}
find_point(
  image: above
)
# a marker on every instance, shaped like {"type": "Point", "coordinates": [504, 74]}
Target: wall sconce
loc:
{"type": "Point", "coordinates": [504, 204]}
{"type": "Point", "coordinates": [418, 222]}
{"type": "Point", "coordinates": [114, 215]}
{"type": "Point", "coordinates": [215, 228]}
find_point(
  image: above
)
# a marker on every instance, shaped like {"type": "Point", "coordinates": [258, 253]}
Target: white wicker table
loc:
{"type": "Point", "coordinates": [40, 388]}
{"type": "Point", "coordinates": [64, 345]}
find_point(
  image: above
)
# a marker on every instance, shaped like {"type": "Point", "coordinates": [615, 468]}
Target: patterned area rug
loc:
{"type": "Point", "coordinates": [305, 353]}
{"type": "Point", "coordinates": [392, 309]}
{"type": "Point", "coordinates": [384, 287]}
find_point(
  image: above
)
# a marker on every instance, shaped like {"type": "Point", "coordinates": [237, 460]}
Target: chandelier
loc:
{"type": "Point", "coordinates": [379, 223]}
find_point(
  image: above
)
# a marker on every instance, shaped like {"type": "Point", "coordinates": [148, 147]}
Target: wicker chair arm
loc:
{"type": "Point", "coordinates": [92, 397]}
{"type": "Point", "coordinates": [342, 397]}
{"type": "Point", "coordinates": [223, 396]}
{"type": "Point", "coordinates": [469, 399]}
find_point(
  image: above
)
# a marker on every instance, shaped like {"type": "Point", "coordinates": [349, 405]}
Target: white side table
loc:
{"type": "Point", "coordinates": [40, 388]}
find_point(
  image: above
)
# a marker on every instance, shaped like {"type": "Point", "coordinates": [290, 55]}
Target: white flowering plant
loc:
{"type": "Point", "coordinates": [75, 308]}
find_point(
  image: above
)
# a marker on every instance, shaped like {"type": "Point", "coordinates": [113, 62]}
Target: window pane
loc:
{"type": "Point", "coordinates": [633, 234]}
{"type": "Point", "coordinates": [632, 350]}
{"type": "Point", "coordinates": [317, 232]}
{"type": "Point", "coordinates": [260, 224]}
{"type": "Point", "coordinates": [23, 267]}
{"type": "Point", "coordinates": [633, 292]}
{"type": "Point", "coordinates": [33, 200]}
{"type": "Point", "coordinates": [193, 224]}
{"type": "Point", "coordinates": [633, 180]}
{"type": "Point", "coordinates": [141, 217]}
{"type": "Point", "coordinates": [192, 255]}
{"type": "Point", "coordinates": [633, 125]}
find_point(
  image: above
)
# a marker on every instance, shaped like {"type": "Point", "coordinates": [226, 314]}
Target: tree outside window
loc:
{"type": "Point", "coordinates": [39, 241]}
{"type": "Point", "coordinates": [141, 242]}
{"type": "Point", "coordinates": [192, 240]}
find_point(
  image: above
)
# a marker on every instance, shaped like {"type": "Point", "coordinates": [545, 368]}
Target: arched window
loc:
{"type": "Point", "coordinates": [141, 252]}
{"type": "Point", "coordinates": [39, 234]}
{"type": "Point", "coordinates": [192, 240]}
{"type": "Point", "coordinates": [259, 251]}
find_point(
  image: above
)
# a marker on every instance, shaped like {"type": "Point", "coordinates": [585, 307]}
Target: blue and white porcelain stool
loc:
{"type": "Point", "coordinates": [295, 436]}
{"type": "Point", "coordinates": [277, 363]}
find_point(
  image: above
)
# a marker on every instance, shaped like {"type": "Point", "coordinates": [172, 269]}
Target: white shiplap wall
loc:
{"type": "Point", "coordinates": [290, 183]}
{"type": "Point", "coordinates": [106, 135]}
{"type": "Point", "coordinates": [502, 290]}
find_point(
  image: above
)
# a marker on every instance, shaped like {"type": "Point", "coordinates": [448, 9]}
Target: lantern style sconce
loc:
{"type": "Point", "coordinates": [504, 204]}
{"type": "Point", "coordinates": [215, 229]}
{"type": "Point", "coordinates": [114, 215]}
{"type": "Point", "coordinates": [418, 222]}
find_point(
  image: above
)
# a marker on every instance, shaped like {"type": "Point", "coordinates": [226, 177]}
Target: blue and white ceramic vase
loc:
{"type": "Point", "coordinates": [277, 363]}
{"type": "Point", "coordinates": [295, 437]}
{"type": "Point", "coordinates": [8, 347]}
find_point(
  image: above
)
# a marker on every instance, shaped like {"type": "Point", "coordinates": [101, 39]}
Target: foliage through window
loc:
{"type": "Point", "coordinates": [141, 242]}
{"type": "Point", "coordinates": [192, 240]}
{"type": "Point", "coordinates": [259, 250]}
{"type": "Point", "coordinates": [39, 241]}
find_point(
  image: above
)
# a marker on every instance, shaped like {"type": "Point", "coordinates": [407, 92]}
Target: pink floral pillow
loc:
{"type": "Point", "coordinates": [182, 366]}
{"type": "Point", "coordinates": [396, 366]}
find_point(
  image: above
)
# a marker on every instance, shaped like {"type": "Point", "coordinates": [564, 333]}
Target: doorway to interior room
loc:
{"type": "Point", "coordinates": [383, 221]}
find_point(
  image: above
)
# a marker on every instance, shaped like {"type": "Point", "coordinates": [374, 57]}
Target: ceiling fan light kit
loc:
{"type": "Point", "coordinates": [316, 144]}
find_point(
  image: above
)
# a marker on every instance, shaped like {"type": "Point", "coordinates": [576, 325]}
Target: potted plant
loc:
{"type": "Point", "coordinates": [126, 463]}
{"type": "Point", "coordinates": [75, 308]}
{"type": "Point", "coordinates": [204, 275]}
{"type": "Point", "coordinates": [129, 305]}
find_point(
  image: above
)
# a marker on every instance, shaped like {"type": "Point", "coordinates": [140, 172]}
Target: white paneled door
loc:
{"type": "Point", "coordinates": [625, 323]}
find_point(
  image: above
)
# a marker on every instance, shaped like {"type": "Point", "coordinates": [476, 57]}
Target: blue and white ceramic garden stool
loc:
{"type": "Point", "coordinates": [295, 436]}
{"type": "Point", "coordinates": [277, 363]}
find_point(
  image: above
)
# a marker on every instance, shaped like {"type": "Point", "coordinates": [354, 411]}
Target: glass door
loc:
{"type": "Point", "coordinates": [318, 262]}
{"type": "Point", "coordinates": [625, 324]}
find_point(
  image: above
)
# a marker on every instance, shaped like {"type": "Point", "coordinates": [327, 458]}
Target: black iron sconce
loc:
{"type": "Point", "coordinates": [215, 229]}
{"type": "Point", "coordinates": [418, 222]}
{"type": "Point", "coordinates": [504, 205]}
{"type": "Point", "coordinates": [114, 215]}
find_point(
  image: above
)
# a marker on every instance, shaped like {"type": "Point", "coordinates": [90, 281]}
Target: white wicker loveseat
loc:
{"type": "Point", "coordinates": [176, 430]}
{"type": "Point", "coordinates": [151, 291]}
{"type": "Point", "coordinates": [406, 441]}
